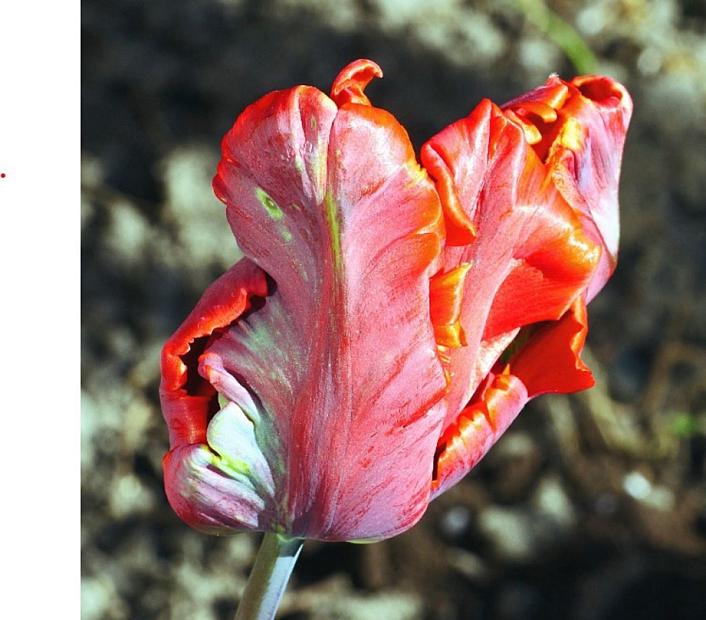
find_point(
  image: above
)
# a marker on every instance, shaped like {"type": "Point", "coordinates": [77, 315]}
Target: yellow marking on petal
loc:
{"type": "Point", "coordinates": [416, 173]}
{"type": "Point", "coordinates": [545, 112]}
{"type": "Point", "coordinates": [445, 296]}
{"type": "Point", "coordinates": [334, 224]}
{"type": "Point", "coordinates": [530, 131]}
{"type": "Point", "coordinates": [451, 336]}
{"type": "Point", "coordinates": [572, 135]}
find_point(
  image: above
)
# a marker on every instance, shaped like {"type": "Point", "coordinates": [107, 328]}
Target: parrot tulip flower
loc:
{"type": "Point", "coordinates": [389, 320]}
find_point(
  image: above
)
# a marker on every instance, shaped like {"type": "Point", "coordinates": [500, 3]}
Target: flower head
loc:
{"type": "Point", "coordinates": [388, 321]}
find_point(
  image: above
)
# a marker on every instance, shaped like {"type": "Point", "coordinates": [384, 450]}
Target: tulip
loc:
{"type": "Point", "coordinates": [388, 321]}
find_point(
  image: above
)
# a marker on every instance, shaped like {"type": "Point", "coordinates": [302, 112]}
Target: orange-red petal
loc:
{"type": "Point", "coordinates": [350, 83]}
{"type": "Point", "coordinates": [529, 259]}
{"type": "Point", "coordinates": [445, 297]}
{"type": "Point", "coordinates": [549, 362]}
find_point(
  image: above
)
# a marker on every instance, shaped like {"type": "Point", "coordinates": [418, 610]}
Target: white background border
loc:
{"type": "Point", "coordinates": [40, 308]}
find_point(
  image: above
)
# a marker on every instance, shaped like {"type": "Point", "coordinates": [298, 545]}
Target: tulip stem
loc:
{"type": "Point", "coordinates": [273, 565]}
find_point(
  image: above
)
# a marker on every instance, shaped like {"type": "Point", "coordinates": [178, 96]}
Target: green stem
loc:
{"type": "Point", "coordinates": [561, 33]}
{"type": "Point", "coordinates": [268, 579]}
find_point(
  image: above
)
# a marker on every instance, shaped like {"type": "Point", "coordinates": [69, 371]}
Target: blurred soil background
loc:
{"type": "Point", "coordinates": [592, 506]}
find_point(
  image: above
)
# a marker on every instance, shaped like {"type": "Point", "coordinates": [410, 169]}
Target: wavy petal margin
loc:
{"type": "Point", "coordinates": [536, 182]}
{"type": "Point", "coordinates": [196, 478]}
{"type": "Point", "coordinates": [529, 259]}
{"type": "Point", "coordinates": [188, 401]}
{"type": "Point", "coordinates": [549, 362]}
{"type": "Point", "coordinates": [581, 136]}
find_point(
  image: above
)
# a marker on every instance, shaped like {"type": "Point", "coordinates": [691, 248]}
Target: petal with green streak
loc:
{"type": "Point", "coordinates": [341, 358]}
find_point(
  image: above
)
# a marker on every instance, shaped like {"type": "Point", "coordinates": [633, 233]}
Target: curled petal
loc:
{"type": "Point", "coordinates": [553, 94]}
{"type": "Point", "coordinates": [477, 428]}
{"type": "Point", "coordinates": [231, 435]}
{"type": "Point", "coordinates": [350, 83]}
{"type": "Point", "coordinates": [455, 159]}
{"type": "Point", "coordinates": [186, 399]}
{"type": "Point", "coordinates": [550, 361]}
{"type": "Point", "coordinates": [204, 497]}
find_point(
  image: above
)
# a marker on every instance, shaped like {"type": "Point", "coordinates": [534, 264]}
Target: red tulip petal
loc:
{"type": "Point", "coordinates": [477, 428]}
{"type": "Point", "coordinates": [187, 400]}
{"type": "Point", "coordinates": [553, 264]}
{"type": "Point", "coordinates": [457, 164]}
{"type": "Point", "coordinates": [529, 259]}
{"type": "Point", "coordinates": [583, 148]}
{"type": "Point", "coordinates": [553, 94]}
{"type": "Point", "coordinates": [532, 134]}
{"type": "Point", "coordinates": [548, 362]}
{"type": "Point", "coordinates": [341, 359]}
{"type": "Point", "coordinates": [350, 83]}
{"type": "Point", "coordinates": [535, 254]}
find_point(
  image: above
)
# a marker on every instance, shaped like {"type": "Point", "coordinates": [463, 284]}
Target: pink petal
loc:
{"type": "Point", "coordinates": [341, 359]}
